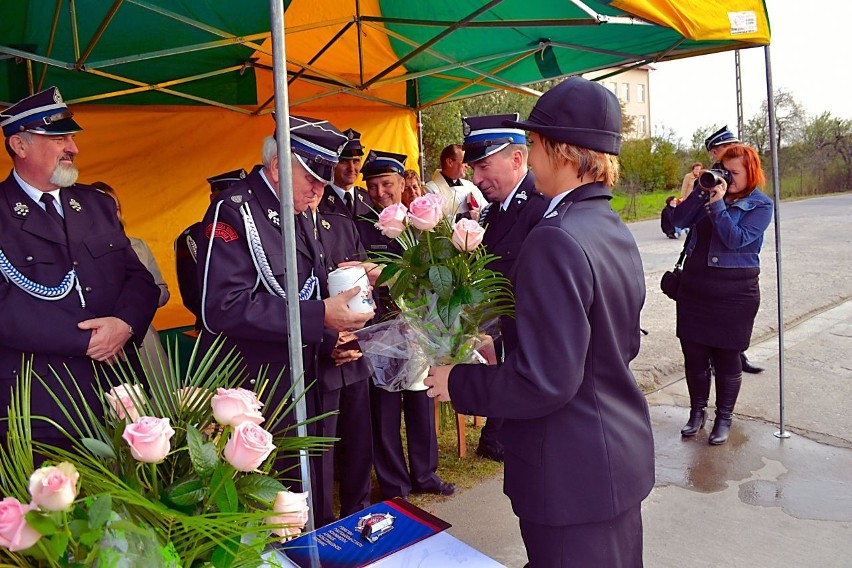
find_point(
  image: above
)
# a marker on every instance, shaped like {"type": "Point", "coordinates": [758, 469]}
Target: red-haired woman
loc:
{"type": "Point", "coordinates": [719, 293]}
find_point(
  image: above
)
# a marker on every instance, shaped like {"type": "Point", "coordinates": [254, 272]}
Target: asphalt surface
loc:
{"type": "Point", "coordinates": [760, 500]}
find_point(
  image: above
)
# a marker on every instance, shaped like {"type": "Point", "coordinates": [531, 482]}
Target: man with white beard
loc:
{"type": "Point", "coordinates": [72, 291]}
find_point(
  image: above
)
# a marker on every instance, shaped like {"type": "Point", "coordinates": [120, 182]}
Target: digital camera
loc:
{"type": "Point", "coordinates": [711, 178]}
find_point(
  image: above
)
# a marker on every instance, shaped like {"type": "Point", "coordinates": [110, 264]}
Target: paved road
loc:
{"type": "Point", "coordinates": [758, 501]}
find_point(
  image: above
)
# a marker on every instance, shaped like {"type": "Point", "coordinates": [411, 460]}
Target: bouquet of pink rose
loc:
{"type": "Point", "coordinates": [178, 474]}
{"type": "Point", "coordinates": [446, 295]}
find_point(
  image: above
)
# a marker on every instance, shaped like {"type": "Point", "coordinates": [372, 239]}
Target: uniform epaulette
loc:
{"type": "Point", "coordinates": [236, 195]}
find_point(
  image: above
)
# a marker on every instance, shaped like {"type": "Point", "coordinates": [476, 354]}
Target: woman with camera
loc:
{"type": "Point", "coordinates": [719, 295]}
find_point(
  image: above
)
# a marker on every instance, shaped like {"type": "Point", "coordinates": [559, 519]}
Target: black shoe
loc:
{"type": "Point", "coordinates": [720, 432]}
{"type": "Point", "coordinates": [748, 367]}
{"type": "Point", "coordinates": [695, 423]}
{"type": "Point", "coordinates": [443, 488]}
{"type": "Point", "coordinates": [672, 236]}
{"type": "Point", "coordinates": [489, 452]}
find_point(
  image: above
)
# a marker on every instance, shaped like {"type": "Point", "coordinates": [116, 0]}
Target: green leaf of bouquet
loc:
{"type": "Point", "coordinates": [223, 491]}
{"type": "Point", "coordinates": [186, 493]}
{"type": "Point", "coordinates": [388, 272]}
{"type": "Point", "coordinates": [442, 281]}
{"type": "Point", "coordinates": [453, 310]}
{"type": "Point", "coordinates": [89, 538]}
{"type": "Point", "coordinates": [203, 454]}
{"type": "Point", "coordinates": [398, 288]}
{"type": "Point", "coordinates": [443, 249]}
{"type": "Point", "coordinates": [45, 523]}
{"type": "Point", "coordinates": [100, 511]}
{"type": "Point", "coordinates": [57, 544]}
{"type": "Point", "coordinates": [100, 449]}
{"type": "Point", "coordinates": [261, 488]}
{"type": "Point", "coordinates": [223, 556]}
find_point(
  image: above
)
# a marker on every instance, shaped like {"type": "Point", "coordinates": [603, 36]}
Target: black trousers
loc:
{"type": "Point", "coordinates": [353, 454]}
{"type": "Point", "coordinates": [396, 478]}
{"type": "Point", "coordinates": [616, 543]}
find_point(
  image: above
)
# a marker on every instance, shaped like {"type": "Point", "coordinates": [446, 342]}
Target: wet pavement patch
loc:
{"type": "Point", "coordinates": [806, 479]}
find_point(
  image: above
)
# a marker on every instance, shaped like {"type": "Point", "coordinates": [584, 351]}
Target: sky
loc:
{"type": "Point", "coordinates": [810, 54]}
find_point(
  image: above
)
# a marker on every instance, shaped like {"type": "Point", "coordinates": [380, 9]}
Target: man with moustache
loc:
{"type": "Point", "coordinates": [73, 294]}
{"type": "Point", "coordinates": [498, 156]}
{"type": "Point", "coordinates": [241, 267]}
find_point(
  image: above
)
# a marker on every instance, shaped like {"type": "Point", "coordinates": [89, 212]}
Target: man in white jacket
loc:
{"type": "Point", "coordinates": [462, 198]}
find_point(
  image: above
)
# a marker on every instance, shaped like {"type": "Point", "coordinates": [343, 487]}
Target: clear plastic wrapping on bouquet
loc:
{"type": "Point", "coordinates": [402, 349]}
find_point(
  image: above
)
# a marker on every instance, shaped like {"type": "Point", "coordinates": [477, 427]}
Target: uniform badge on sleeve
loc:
{"type": "Point", "coordinates": [222, 230]}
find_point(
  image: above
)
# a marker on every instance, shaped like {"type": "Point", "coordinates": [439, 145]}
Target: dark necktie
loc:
{"type": "Point", "coordinates": [347, 199]}
{"type": "Point", "coordinates": [50, 209]}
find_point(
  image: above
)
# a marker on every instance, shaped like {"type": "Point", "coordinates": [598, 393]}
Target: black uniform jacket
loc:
{"type": "Point", "coordinates": [235, 300]}
{"type": "Point", "coordinates": [332, 203]}
{"type": "Point", "coordinates": [341, 242]}
{"type": "Point", "coordinates": [186, 265]}
{"type": "Point", "coordinates": [505, 232]}
{"type": "Point", "coordinates": [112, 280]}
{"type": "Point", "coordinates": [577, 435]}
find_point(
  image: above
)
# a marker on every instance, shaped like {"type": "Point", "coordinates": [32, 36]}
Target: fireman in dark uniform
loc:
{"type": "Point", "coordinates": [73, 294]}
{"type": "Point", "coordinates": [186, 249]}
{"type": "Point", "coordinates": [383, 174]}
{"type": "Point", "coordinates": [241, 264]}
{"type": "Point", "coordinates": [498, 156]}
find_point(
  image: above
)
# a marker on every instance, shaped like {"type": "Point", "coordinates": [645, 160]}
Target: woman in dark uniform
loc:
{"type": "Point", "coordinates": [578, 448]}
{"type": "Point", "coordinates": [719, 294]}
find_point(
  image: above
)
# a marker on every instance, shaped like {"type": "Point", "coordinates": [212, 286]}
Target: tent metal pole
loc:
{"type": "Point", "coordinates": [776, 197]}
{"type": "Point", "coordinates": [739, 83]}
{"type": "Point", "coordinates": [288, 234]}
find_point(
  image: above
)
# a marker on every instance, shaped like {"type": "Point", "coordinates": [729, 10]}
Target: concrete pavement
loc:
{"type": "Point", "coordinates": [757, 501]}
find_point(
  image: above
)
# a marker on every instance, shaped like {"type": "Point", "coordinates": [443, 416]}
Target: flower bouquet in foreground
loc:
{"type": "Point", "coordinates": [177, 474]}
{"type": "Point", "coordinates": [447, 298]}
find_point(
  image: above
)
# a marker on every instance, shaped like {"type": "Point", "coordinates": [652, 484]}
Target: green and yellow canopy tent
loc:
{"type": "Point", "coordinates": [173, 91]}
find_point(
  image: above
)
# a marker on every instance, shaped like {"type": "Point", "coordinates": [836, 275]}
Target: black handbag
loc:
{"type": "Point", "coordinates": [670, 282]}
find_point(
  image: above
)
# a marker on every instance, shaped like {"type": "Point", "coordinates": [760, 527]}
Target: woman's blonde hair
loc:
{"type": "Point", "coordinates": [601, 166]}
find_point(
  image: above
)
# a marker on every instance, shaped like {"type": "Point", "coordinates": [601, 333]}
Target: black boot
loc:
{"type": "Point", "coordinates": [699, 391]}
{"type": "Point", "coordinates": [727, 390]}
{"type": "Point", "coordinates": [748, 366]}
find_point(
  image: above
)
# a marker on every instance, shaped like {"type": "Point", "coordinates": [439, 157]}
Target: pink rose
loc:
{"type": "Point", "coordinates": [294, 511]}
{"type": "Point", "coordinates": [392, 220]}
{"type": "Point", "coordinates": [15, 533]}
{"type": "Point", "coordinates": [123, 398]}
{"type": "Point", "coordinates": [248, 446]}
{"type": "Point", "coordinates": [148, 439]}
{"type": "Point", "coordinates": [467, 234]}
{"type": "Point", "coordinates": [54, 487]}
{"type": "Point", "coordinates": [232, 407]}
{"type": "Point", "coordinates": [426, 211]}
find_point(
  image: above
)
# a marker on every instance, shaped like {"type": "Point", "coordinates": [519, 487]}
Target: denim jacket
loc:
{"type": "Point", "coordinates": [737, 228]}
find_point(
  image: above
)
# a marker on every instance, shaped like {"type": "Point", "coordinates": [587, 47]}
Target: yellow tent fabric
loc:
{"type": "Point", "coordinates": [706, 20]}
{"type": "Point", "coordinates": [158, 158]}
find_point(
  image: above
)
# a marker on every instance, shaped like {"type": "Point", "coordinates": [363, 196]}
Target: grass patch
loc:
{"type": "Point", "coordinates": [645, 205]}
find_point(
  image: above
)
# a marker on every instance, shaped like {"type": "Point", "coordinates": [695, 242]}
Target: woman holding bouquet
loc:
{"type": "Point", "coordinates": [383, 174]}
{"type": "Point", "coordinates": [579, 453]}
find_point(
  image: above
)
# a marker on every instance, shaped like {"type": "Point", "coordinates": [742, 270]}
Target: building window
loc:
{"type": "Point", "coordinates": [625, 92]}
{"type": "Point", "coordinates": [641, 125]}
{"type": "Point", "coordinates": [640, 93]}
{"type": "Point", "coordinates": [612, 87]}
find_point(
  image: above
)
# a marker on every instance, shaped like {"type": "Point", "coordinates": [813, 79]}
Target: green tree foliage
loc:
{"type": "Point", "coordinates": [650, 164]}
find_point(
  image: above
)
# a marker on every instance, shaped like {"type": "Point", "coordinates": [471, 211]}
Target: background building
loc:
{"type": "Point", "coordinates": [631, 88]}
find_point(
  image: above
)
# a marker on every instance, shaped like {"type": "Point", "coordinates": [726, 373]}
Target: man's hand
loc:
{"type": "Point", "coordinates": [339, 317]}
{"type": "Point", "coordinates": [109, 335]}
{"type": "Point", "coordinates": [342, 353]}
{"type": "Point", "coordinates": [373, 269]}
{"type": "Point", "coordinates": [474, 213]}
